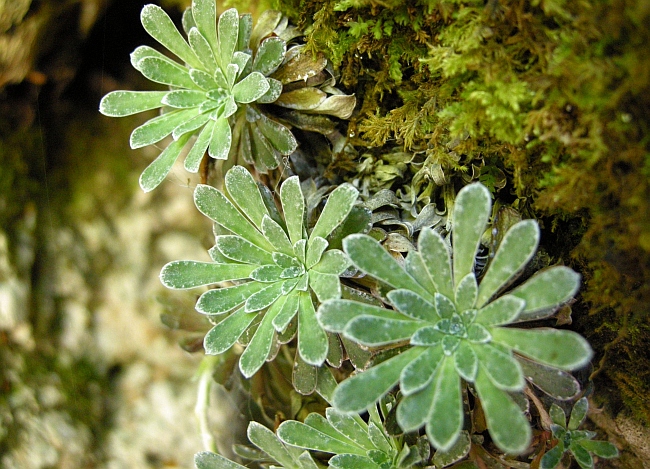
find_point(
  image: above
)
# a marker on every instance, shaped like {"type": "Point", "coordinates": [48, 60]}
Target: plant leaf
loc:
{"type": "Point", "coordinates": [224, 335]}
{"type": "Point", "coordinates": [435, 253]}
{"type": "Point", "coordinates": [242, 188]}
{"type": "Point", "coordinates": [338, 206]}
{"type": "Point", "coordinates": [375, 331]}
{"type": "Point", "coordinates": [220, 140]}
{"type": "Point", "coordinates": [239, 249]}
{"type": "Point", "coordinates": [165, 71]}
{"type": "Point", "coordinates": [466, 361]}
{"type": "Point", "coordinates": [503, 310]}
{"type": "Point", "coordinates": [222, 300]}
{"type": "Point", "coordinates": [214, 205]}
{"type": "Point", "coordinates": [315, 248]}
{"type": "Point", "coordinates": [558, 417]}
{"type": "Point", "coordinates": [413, 305]}
{"type": "Point", "coordinates": [258, 349]}
{"type": "Point", "coordinates": [279, 137]}
{"type": "Point", "coordinates": [413, 411]}
{"type": "Point", "coordinates": [184, 98]}
{"type": "Point", "coordinates": [298, 434]}
{"type": "Point", "coordinates": [552, 458]}
{"type": "Point", "coordinates": [332, 261]}
{"type": "Point", "coordinates": [602, 449]}
{"type": "Point", "coordinates": [269, 55]}
{"type": "Point", "coordinates": [293, 206]}
{"type": "Point", "coordinates": [446, 417]}
{"type": "Point", "coordinates": [470, 215]}
{"type": "Point", "coordinates": [207, 460]}
{"type": "Point", "coordinates": [126, 103]}
{"type": "Point", "coordinates": [351, 426]}
{"type": "Point", "coordinates": [515, 251]}
{"type": "Point", "coordinates": [466, 292]}
{"type": "Point", "coordinates": [505, 421]}
{"type": "Point", "coordinates": [228, 28]}
{"type": "Point", "coordinates": [263, 298]}
{"type": "Point", "coordinates": [180, 275]}
{"type": "Point", "coordinates": [578, 413]}
{"type": "Point", "coordinates": [370, 257]}
{"type": "Point", "coordinates": [159, 168]}
{"type": "Point", "coordinates": [562, 349]}
{"type": "Point", "coordinates": [268, 442]}
{"type": "Point", "coordinates": [249, 89]}
{"type": "Point", "coordinates": [204, 14]}
{"type": "Point", "coordinates": [546, 290]}
{"type": "Point", "coordinates": [312, 340]}
{"type": "Point", "coordinates": [204, 80]}
{"type": "Point", "coordinates": [582, 456]}
{"type": "Point", "coordinates": [160, 26]}
{"type": "Point", "coordinates": [420, 371]}
{"type": "Point", "coordinates": [276, 235]}
{"type": "Point", "coordinates": [195, 155]}
{"type": "Point", "coordinates": [358, 392]}
{"type": "Point", "coordinates": [159, 127]}
{"type": "Point", "coordinates": [504, 371]}
{"type": "Point", "coordinates": [334, 315]}
{"type": "Point", "coordinates": [351, 461]}
{"type": "Point", "coordinates": [556, 383]}
{"type": "Point", "coordinates": [326, 286]}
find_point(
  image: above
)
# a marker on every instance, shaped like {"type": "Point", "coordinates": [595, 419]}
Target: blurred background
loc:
{"type": "Point", "coordinates": [89, 375]}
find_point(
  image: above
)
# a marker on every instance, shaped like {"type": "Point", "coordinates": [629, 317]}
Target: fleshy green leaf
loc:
{"type": "Point", "coordinates": [207, 460]}
{"type": "Point", "coordinates": [190, 274]}
{"type": "Point", "coordinates": [546, 290]}
{"type": "Point", "coordinates": [505, 420]}
{"type": "Point", "coordinates": [298, 434]}
{"type": "Point", "coordinates": [263, 298]}
{"type": "Point", "coordinates": [266, 440]}
{"type": "Point", "coordinates": [562, 349]}
{"type": "Point", "coordinates": [470, 215]}
{"type": "Point", "coordinates": [204, 80]}
{"type": "Point", "coordinates": [370, 257]}
{"type": "Point", "coordinates": [204, 14]}
{"type": "Point", "coordinates": [558, 417]}
{"type": "Point", "coordinates": [195, 155]}
{"type": "Point", "coordinates": [332, 262]}
{"type": "Point", "coordinates": [503, 310]}
{"type": "Point", "coordinates": [334, 315]}
{"type": "Point", "coordinates": [160, 26]}
{"type": "Point", "coordinates": [276, 235]}
{"type": "Point", "coordinates": [413, 305]}
{"type": "Point", "coordinates": [338, 206]}
{"type": "Point", "coordinates": [315, 248]}
{"type": "Point", "coordinates": [222, 300]}
{"type": "Point", "coordinates": [351, 426]}
{"type": "Point", "coordinates": [552, 458]}
{"type": "Point", "coordinates": [269, 55]}
{"type": "Point", "coordinates": [504, 371]}
{"type": "Point", "coordinates": [466, 362]}
{"type": "Point", "coordinates": [420, 371]}
{"type": "Point", "coordinates": [358, 392]}
{"type": "Point", "coordinates": [220, 140]}
{"type": "Point", "coordinates": [279, 137]}
{"type": "Point", "coordinates": [159, 127]}
{"type": "Point", "coordinates": [556, 383]}
{"type": "Point", "coordinates": [436, 255]}
{"type": "Point", "coordinates": [351, 461]}
{"type": "Point", "coordinates": [126, 103]}
{"type": "Point", "coordinates": [602, 449]}
{"type": "Point", "coordinates": [312, 340]}
{"type": "Point", "coordinates": [184, 98]}
{"type": "Point", "coordinates": [326, 286]}
{"type": "Point", "coordinates": [375, 331]}
{"type": "Point", "coordinates": [252, 87]}
{"type": "Point", "coordinates": [413, 411]}
{"type": "Point", "coordinates": [214, 205]}
{"type": "Point", "coordinates": [516, 249]}
{"type": "Point", "coordinates": [190, 125]}
{"type": "Point", "coordinates": [224, 335]}
{"type": "Point", "coordinates": [582, 456]}
{"type": "Point", "coordinates": [446, 418]}
{"type": "Point", "coordinates": [293, 206]}
{"type": "Point", "coordinates": [243, 190]}
{"type": "Point", "coordinates": [165, 72]}
{"type": "Point", "coordinates": [258, 349]}
{"type": "Point", "coordinates": [228, 27]}
{"type": "Point", "coordinates": [202, 48]}
{"type": "Point", "coordinates": [241, 250]}
{"type": "Point", "coordinates": [159, 168]}
{"type": "Point", "coordinates": [578, 414]}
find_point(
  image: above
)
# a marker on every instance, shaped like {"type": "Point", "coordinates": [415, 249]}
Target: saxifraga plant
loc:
{"type": "Point", "coordinates": [219, 74]}
{"type": "Point", "coordinates": [454, 327]}
{"type": "Point", "coordinates": [579, 443]}
{"type": "Point", "coordinates": [277, 267]}
{"type": "Point", "coordinates": [216, 93]}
